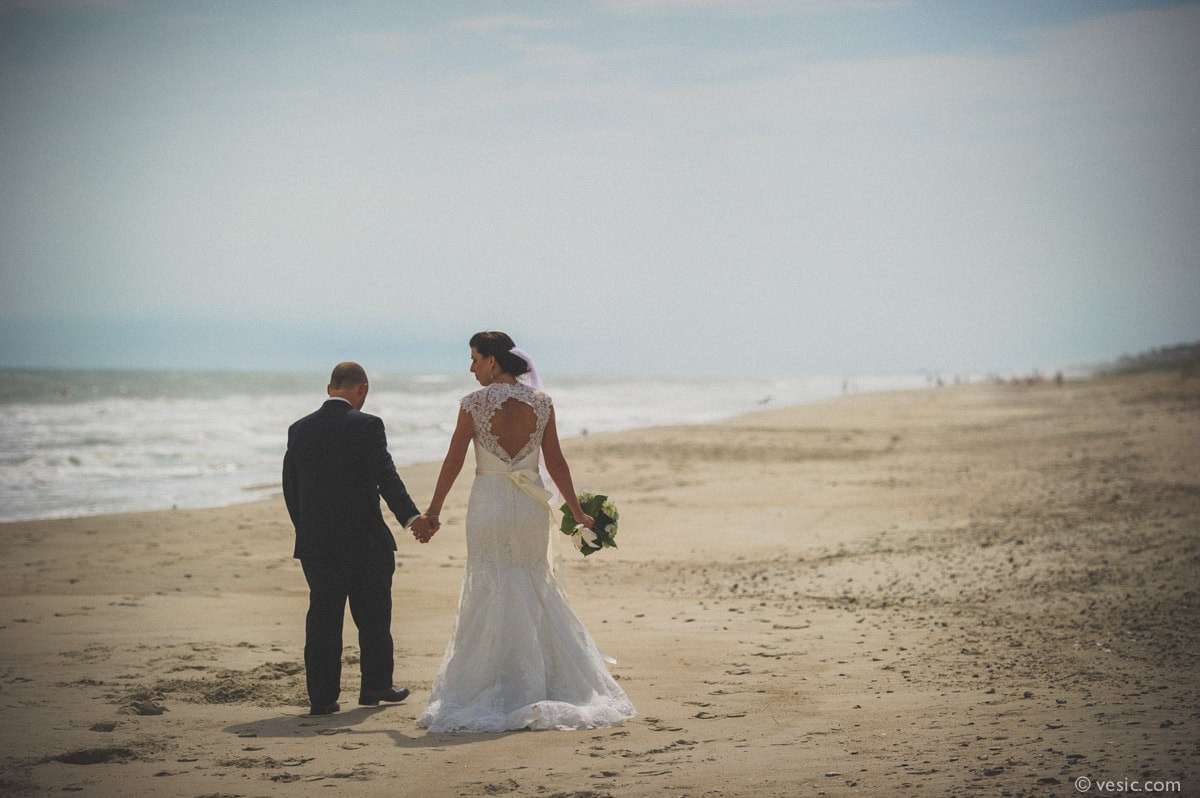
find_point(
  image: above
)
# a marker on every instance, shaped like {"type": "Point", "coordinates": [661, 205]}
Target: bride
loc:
{"type": "Point", "coordinates": [519, 657]}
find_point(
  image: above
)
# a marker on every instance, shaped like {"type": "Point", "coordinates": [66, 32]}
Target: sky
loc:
{"type": "Point", "coordinates": [689, 187]}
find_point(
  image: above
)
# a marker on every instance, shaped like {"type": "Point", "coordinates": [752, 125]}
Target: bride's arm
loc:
{"type": "Point", "coordinates": [560, 472]}
{"type": "Point", "coordinates": [456, 455]}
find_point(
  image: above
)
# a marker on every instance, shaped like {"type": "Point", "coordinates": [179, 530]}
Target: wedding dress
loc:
{"type": "Point", "coordinates": [519, 657]}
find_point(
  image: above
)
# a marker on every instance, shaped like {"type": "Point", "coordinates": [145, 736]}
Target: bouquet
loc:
{"type": "Point", "coordinates": [602, 534]}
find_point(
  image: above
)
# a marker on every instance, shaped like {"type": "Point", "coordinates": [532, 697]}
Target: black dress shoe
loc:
{"type": "Point", "coordinates": [370, 698]}
{"type": "Point", "coordinates": [324, 709]}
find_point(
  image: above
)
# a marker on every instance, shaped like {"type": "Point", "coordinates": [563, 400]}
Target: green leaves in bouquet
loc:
{"type": "Point", "coordinates": [605, 526]}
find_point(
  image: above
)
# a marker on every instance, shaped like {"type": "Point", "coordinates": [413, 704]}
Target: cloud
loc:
{"type": "Point", "coordinates": [393, 41]}
{"type": "Point", "coordinates": [60, 6]}
{"type": "Point", "coordinates": [745, 8]}
{"type": "Point", "coordinates": [510, 22]}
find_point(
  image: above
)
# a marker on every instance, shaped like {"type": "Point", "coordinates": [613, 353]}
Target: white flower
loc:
{"type": "Point", "coordinates": [577, 539]}
{"type": "Point", "coordinates": [590, 537]}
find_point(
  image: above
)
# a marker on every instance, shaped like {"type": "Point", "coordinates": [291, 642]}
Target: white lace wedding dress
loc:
{"type": "Point", "coordinates": [519, 657]}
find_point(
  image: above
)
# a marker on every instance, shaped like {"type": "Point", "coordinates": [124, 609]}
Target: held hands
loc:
{"type": "Point", "coordinates": [424, 527]}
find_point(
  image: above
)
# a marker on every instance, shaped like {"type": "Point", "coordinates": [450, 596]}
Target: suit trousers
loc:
{"type": "Point", "coordinates": [366, 581]}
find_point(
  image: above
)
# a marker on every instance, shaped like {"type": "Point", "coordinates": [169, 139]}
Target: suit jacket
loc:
{"type": "Point", "coordinates": [336, 467]}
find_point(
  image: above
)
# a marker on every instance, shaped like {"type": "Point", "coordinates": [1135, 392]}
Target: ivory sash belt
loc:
{"type": "Point", "coordinates": [526, 481]}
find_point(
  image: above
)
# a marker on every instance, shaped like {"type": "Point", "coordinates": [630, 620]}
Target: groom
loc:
{"type": "Point", "coordinates": [336, 467]}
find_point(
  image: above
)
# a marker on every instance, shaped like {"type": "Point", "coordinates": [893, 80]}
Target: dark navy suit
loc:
{"type": "Point", "coordinates": [336, 469]}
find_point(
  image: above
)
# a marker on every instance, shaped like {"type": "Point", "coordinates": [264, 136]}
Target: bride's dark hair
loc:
{"type": "Point", "coordinates": [499, 345]}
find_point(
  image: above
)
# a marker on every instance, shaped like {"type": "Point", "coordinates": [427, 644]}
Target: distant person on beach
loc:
{"type": "Point", "coordinates": [518, 657]}
{"type": "Point", "coordinates": [336, 467]}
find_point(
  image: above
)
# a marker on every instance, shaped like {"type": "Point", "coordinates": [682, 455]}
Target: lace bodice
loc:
{"type": "Point", "coordinates": [484, 403]}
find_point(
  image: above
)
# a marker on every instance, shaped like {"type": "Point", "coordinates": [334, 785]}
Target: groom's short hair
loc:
{"type": "Point", "coordinates": [347, 375]}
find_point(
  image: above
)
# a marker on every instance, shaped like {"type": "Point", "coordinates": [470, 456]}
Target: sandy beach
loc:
{"type": "Point", "coordinates": [972, 590]}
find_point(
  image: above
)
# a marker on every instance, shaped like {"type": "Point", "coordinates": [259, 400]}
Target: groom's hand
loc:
{"type": "Point", "coordinates": [424, 527]}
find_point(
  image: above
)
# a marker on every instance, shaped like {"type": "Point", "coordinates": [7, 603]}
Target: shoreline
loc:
{"type": "Point", "coordinates": [973, 588]}
{"type": "Point", "coordinates": [184, 441]}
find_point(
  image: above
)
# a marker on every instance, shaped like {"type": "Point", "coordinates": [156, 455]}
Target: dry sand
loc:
{"type": "Point", "coordinates": [974, 590]}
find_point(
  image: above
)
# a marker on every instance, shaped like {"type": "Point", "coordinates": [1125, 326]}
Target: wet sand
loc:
{"type": "Point", "coordinates": [972, 590]}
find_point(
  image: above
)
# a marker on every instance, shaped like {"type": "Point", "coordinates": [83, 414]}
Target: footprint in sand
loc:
{"type": "Point", "coordinates": [96, 756]}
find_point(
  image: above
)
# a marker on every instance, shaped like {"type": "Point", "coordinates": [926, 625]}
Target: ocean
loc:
{"type": "Point", "coordinates": [81, 443]}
